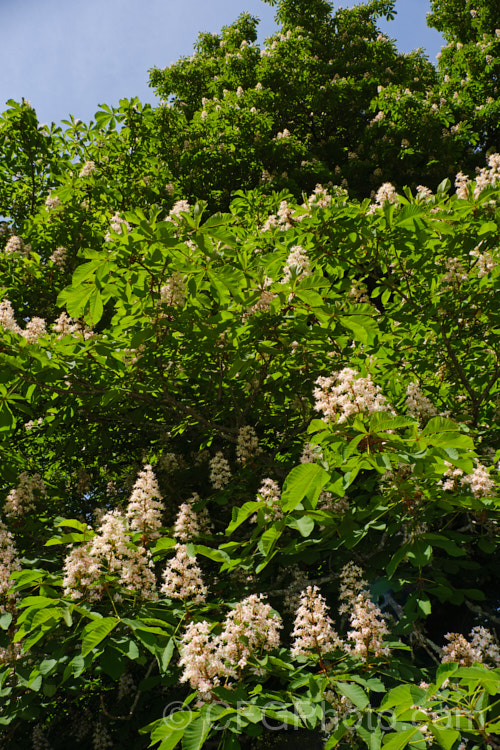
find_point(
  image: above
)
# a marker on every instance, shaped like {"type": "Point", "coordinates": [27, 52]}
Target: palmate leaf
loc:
{"type": "Point", "coordinates": [306, 480]}
{"type": "Point", "coordinates": [96, 631]}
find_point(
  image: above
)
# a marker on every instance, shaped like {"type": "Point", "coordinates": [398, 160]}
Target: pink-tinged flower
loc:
{"type": "Point", "coordinates": [182, 578]}
{"type": "Point", "coordinates": [480, 482]}
{"type": "Point", "coordinates": [145, 506]}
{"type": "Point", "coordinates": [81, 574]}
{"type": "Point", "coordinates": [23, 498]}
{"type": "Point", "coordinates": [270, 493]}
{"type": "Point", "coordinates": [297, 265]}
{"type": "Point", "coordinates": [132, 564]}
{"type": "Point", "coordinates": [200, 658]}
{"type": "Point", "coordinates": [482, 648]}
{"type": "Point", "coordinates": [8, 564]}
{"type": "Point", "coordinates": [368, 629]}
{"type": "Point", "coordinates": [189, 524]}
{"type": "Point", "coordinates": [313, 630]}
{"type": "Point", "coordinates": [7, 318]}
{"type": "Point", "coordinates": [345, 394]}
{"type": "Point", "coordinates": [220, 473]}
{"type": "Point", "coordinates": [249, 629]}
{"type": "Point", "coordinates": [248, 444]}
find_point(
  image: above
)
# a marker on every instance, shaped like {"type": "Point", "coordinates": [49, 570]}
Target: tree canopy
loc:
{"type": "Point", "coordinates": [250, 360]}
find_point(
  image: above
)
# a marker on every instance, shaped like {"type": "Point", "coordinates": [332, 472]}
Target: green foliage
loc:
{"type": "Point", "coordinates": [315, 377]}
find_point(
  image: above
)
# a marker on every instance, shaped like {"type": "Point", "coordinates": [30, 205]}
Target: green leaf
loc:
{"type": "Point", "coordinates": [335, 736]}
{"type": "Point", "coordinates": [197, 732]}
{"type": "Point", "coordinates": [303, 525]}
{"type": "Point", "coordinates": [95, 309]}
{"type": "Point", "coordinates": [403, 696]}
{"type": "Point", "coordinates": [241, 514]}
{"type": "Point", "coordinates": [306, 480]}
{"type": "Point", "coordinates": [400, 740]}
{"type": "Point", "coordinates": [172, 740]}
{"type": "Point", "coordinates": [96, 631]}
{"type": "Point", "coordinates": [445, 737]}
{"type": "Point", "coordinates": [170, 729]}
{"type": "Point", "coordinates": [355, 693]}
{"type": "Point", "coordinates": [5, 620]}
{"type": "Point", "coordinates": [269, 538]}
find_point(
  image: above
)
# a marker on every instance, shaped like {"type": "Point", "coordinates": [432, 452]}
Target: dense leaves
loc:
{"type": "Point", "coordinates": [249, 432]}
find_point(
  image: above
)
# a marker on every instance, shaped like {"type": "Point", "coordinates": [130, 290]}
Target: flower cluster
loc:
{"type": "Point", "coordinates": [313, 627]}
{"type": "Point", "coordinates": [263, 304]}
{"type": "Point", "coordinates": [386, 193]}
{"type": "Point", "coordinates": [488, 176]}
{"type": "Point", "coordinates": [7, 318]}
{"type": "Point", "coordinates": [145, 506]}
{"type": "Point", "coordinates": [173, 293]}
{"type": "Point", "coordinates": [189, 524]}
{"type": "Point", "coordinates": [23, 498]}
{"type": "Point", "coordinates": [484, 262]}
{"type": "Point", "coordinates": [65, 326]}
{"type": "Point", "coordinates": [320, 197]}
{"type": "Point", "coordinates": [87, 169]}
{"type": "Point", "coordinates": [52, 202]}
{"type": "Point", "coordinates": [16, 245]}
{"type": "Point", "coordinates": [455, 272]}
{"type": "Point", "coordinates": [247, 445]}
{"type": "Point", "coordinates": [270, 493]}
{"type": "Point", "coordinates": [35, 328]}
{"type": "Point", "coordinates": [480, 482]}
{"type": "Point", "coordinates": [482, 647]}
{"type": "Point", "coordinates": [118, 225]}
{"type": "Point", "coordinates": [369, 628]}
{"type": "Point", "coordinates": [202, 663]}
{"type": "Point", "coordinates": [311, 453]}
{"type": "Point", "coordinates": [110, 551]}
{"type": "Point", "coordinates": [182, 578]}
{"type": "Point", "coordinates": [59, 256]}
{"type": "Point", "coordinates": [345, 393]}
{"type": "Point", "coordinates": [250, 629]}
{"type": "Point", "coordinates": [81, 574]}
{"type": "Point", "coordinates": [177, 209]}
{"type": "Point", "coordinates": [418, 405]}
{"type": "Point", "coordinates": [351, 584]}
{"type": "Point", "coordinates": [330, 504]}
{"type": "Point", "coordinates": [8, 564]}
{"type": "Point", "coordinates": [220, 473]}
{"type": "Point", "coordinates": [297, 266]}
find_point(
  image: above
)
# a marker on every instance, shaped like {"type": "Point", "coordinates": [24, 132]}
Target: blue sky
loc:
{"type": "Point", "coordinates": [69, 56]}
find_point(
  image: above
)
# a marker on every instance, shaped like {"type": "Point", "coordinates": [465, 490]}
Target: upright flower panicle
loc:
{"type": "Point", "coordinates": [480, 482]}
{"type": "Point", "coordinates": [173, 292]}
{"type": "Point", "coordinates": [22, 499]}
{"type": "Point", "coordinates": [182, 578]}
{"type": "Point", "coordinates": [346, 393]}
{"type": "Point", "coordinates": [297, 265]}
{"type": "Point", "coordinates": [201, 659]}
{"type": "Point", "coordinates": [145, 507]}
{"type": "Point", "coordinates": [8, 564]}
{"type": "Point", "coordinates": [81, 574]}
{"type": "Point", "coordinates": [132, 564]}
{"type": "Point", "coordinates": [368, 629]}
{"type": "Point", "coordinates": [220, 473]}
{"type": "Point", "coordinates": [189, 524]}
{"type": "Point", "coordinates": [313, 630]}
{"type": "Point", "coordinates": [7, 317]}
{"type": "Point", "coordinates": [249, 629]}
{"type": "Point", "coordinates": [418, 405]}
{"type": "Point", "coordinates": [351, 584]}
{"type": "Point", "coordinates": [270, 493]}
{"type": "Point", "coordinates": [248, 444]}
